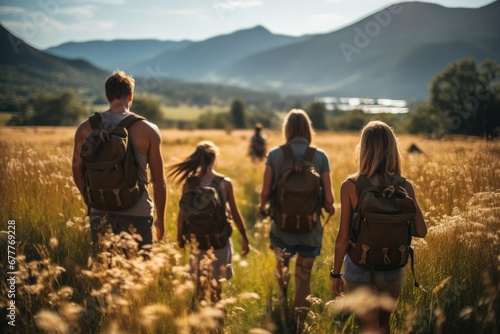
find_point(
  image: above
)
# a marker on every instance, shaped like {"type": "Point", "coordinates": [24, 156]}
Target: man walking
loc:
{"type": "Point", "coordinates": [145, 145]}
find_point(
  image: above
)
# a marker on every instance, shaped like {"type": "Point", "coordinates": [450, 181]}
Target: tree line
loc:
{"type": "Point", "coordinates": [463, 99]}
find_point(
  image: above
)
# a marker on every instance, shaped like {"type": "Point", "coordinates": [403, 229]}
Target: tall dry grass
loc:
{"type": "Point", "coordinates": [59, 291]}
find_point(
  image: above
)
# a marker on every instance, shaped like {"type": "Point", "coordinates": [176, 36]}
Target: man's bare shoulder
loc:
{"type": "Point", "coordinates": [146, 127]}
{"type": "Point", "coordinates": [83, 129]}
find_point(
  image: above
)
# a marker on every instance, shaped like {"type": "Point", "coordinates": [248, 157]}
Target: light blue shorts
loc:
{"type": "Point", "coordinates": [390, 281]}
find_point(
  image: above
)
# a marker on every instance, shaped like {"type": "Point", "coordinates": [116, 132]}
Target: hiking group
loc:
{"type": "Point", "coordinates": [379, 211]}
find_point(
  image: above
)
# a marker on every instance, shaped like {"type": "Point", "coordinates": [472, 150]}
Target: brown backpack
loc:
{"type": "Point", "coordinates": [297, 200]}
{"type": "Point", "coordinates": [203, 210]}
{"type": "Point", "coordinates": [381, 225]}
{"type": "Point", "coordinates": [110, 167]}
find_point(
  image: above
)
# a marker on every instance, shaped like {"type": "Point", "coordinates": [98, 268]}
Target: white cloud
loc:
{"type": "Point", "coordinates": [325, 19]}
{"type": "Point", "coordinates": [82, 12]}
{"type": "Point", "coordinates": [12, 10]}
{"type": "Point", "coordinates": [233, 4]}
{"type": "Point", "coordinates": [90, 26]}
{"type": "Point", "coordinates": [163, 11]}
{"type": "Point", "coordinates": [106, 2]}
{"type": "Point", "coordinates": [245, 3]}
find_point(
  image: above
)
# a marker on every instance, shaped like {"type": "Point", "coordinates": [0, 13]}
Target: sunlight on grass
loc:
{"type": "Point", "coordinates": [58, 290]}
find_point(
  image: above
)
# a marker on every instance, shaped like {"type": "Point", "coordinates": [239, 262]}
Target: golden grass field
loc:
{"type": "Point", "coordinates": [58, 291]}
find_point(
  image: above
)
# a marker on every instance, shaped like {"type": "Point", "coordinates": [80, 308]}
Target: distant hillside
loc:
{"type": "Point", "coordinates": [406, 46]}
{"type": "Point", "coordinates": [201, 61]}
{"type": "Point", "coordinates": [117, 53]}
{"type": "Point", "coordinates": [25, 70]}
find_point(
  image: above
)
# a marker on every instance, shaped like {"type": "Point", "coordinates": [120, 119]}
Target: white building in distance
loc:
{"type": "Point", "coordinates": [370, 106]}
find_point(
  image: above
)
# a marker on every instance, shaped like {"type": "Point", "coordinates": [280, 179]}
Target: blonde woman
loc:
{"type": "Point", "coordinates": [298, 132]}
{"type": "Point", "coordinates": [379, 160]}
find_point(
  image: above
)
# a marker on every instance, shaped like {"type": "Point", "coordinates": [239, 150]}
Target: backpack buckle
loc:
{"type": "Point", "coordinates": [365, 249]}
{"type": "Point", "coordinates": [104, 135]}
{"type": "Point", "coordinates": [386, 257]}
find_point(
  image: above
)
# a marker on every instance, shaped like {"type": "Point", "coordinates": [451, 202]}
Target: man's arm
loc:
{"type": "Point", "coordinates": [77, 164]}
{"type": "Point", "coordinates": [155, 160]}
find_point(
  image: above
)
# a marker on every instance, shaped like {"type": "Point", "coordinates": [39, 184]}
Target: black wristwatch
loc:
{"type": "Point", "coordinates": [333, 275]}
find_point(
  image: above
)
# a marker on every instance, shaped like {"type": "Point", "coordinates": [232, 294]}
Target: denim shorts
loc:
{"type": "Point", "coordinates": [390, 281]}
{"type": "Point", "coordinates": [302, 250]}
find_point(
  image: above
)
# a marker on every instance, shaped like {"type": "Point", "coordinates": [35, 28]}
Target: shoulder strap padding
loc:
{"type": "Point", "coordinates": [309, 154]}
{"type": "Point", "coordinates": [398, 180]}
{"type": "Point", "coordinates": [361, 183]}
{"type": "Point", "coordinates": [193, 182]}
{"type": "Point", "coordinates": [217, 180]}
{"type": "Point", "coordinates": [287, 153]}
{"type": "Point", "coordinates": [95, 121]}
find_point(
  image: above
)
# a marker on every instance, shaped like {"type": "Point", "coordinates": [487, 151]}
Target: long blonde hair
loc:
{"type": "Point", "coordinates": [195, 164]}
{"type": "Point", "coordinates": [297, 124]}
{"type": "Point", "coordinates": [378, 151]}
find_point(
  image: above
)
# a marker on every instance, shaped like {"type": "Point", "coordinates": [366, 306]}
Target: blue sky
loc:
{"type": "Point", "coordinates": [45, 23]}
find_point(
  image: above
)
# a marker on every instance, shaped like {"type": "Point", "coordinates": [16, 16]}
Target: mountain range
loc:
{"type": "Point", "coordinates": [393, 53]}
{"type": "Point", "coordinates": [25, 70]}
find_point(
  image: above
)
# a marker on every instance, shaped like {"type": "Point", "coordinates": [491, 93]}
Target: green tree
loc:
{"type": "Point", "coordinates": [148, 107]}
{"type": "Point", "coordinates": [211, 120]}
{"type": "Point", "coordinates": [424, 119]}
{"type": "Point", "coordinates": [352, 120]}
{"type": "Point", "coordinates": [461, 94]}
{"type": "Point", "coordinates": [317, 111]}
{"type": "Point", "coordinates": [47, 109]}
{"type": "Point", "coordinates": [238, 116]}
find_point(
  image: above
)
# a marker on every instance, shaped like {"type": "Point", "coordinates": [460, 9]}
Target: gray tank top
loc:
{"type": "Point", "coordinates": [144, 207]}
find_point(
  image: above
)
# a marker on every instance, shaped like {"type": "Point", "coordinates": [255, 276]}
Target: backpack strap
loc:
{"type": "Point", "coordinates": [309, 154]}
{"type": "Point", "coordinates": [127, 121]}
{"type": "Point", "coordinates": [361, 183]}
{"type": "Point", "coordinates": [288, 154]}
{"type": "Point", "coordinates": [193, 182]}
{"type": "Point", "coordinates": [399, 181]}
{"type": "Point", "coordinates": [95, 121]}
{"type": "Point", "coordinates": [290, 158]}
{"type": "Point", "coordinates": [216, 182]}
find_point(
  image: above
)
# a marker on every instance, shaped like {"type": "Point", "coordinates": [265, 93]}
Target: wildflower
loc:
{"type": "Point", "coordinates": [236, 257]}
{"type": "Point", "coordinates": [53, 243]}
{"type": "Point", "coordinates": [362, 301]}
{"type": "Point", "coordinates": [249, 295]}
{"type": "Point", "coordinates": [51, 322]}
{"type": "Point", "coordinates": [259, 331]}
{"type": "Point", "coordinates": [66, 292]}
{"type": "Point", "coordinates": [151, 314]}
{"type": "Point", "coordinates": [313, 300]}
{"type": "Point", "coordinates": [70, 312]}
{"type": "Point", "coordinates": [466, 313]}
